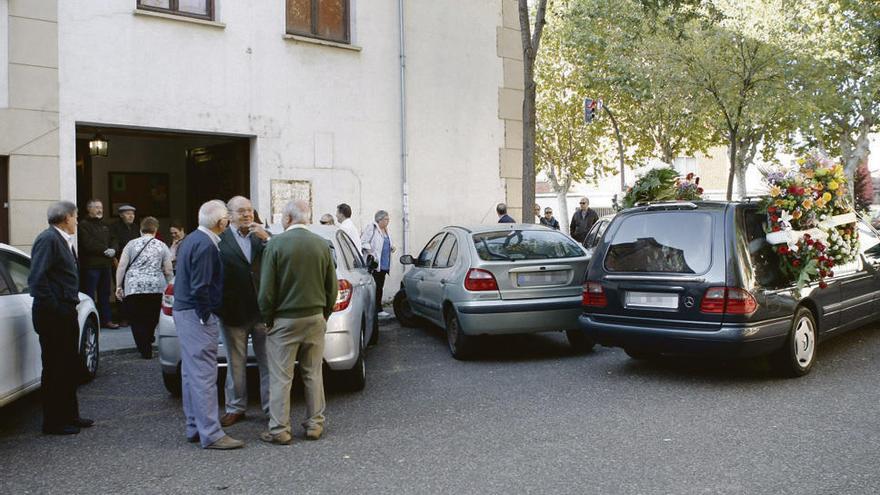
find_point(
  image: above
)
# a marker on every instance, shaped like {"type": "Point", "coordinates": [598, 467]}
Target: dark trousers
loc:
{"type": "Point", "coordinates": [96, 283]}
{"type": "Point", "coordinates": [379, 277]}
{"type": "Point", "coordinates": [62, 369]}
{"type": "Point", "coordinates": [143, 315]}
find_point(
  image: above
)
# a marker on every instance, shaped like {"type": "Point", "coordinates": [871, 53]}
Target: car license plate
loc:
{"type": "Point", "coordinates": [651, 300]}
{"type": "Point", "coordinates": [535, 279]}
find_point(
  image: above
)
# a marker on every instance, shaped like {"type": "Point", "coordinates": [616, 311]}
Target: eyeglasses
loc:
{"type": "Point", "coordinates": [548, 212]}
{"type": "Point", "coordinates": [583, 202]}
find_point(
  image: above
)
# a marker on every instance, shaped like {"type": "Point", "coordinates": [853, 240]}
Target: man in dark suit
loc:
{"type": "Point", "coordinates": [198, 295]}
{"type": "Point", "coordinates": [241, 250]}
{"type": "Point", "coordinates": [582, 221]}
{"type": "Point", "coordinates": [503, 217]}
{"type": "Point", "coordinates": [54, 285]}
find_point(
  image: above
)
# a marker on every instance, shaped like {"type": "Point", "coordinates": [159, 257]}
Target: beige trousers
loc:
{"type": "Point", "coordinates": [287, 339]}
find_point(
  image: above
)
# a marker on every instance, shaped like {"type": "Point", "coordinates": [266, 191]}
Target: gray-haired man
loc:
{"type": "Point", "coordinates": [241, 250]}
{"type": "Point", "coordinates": [297, 293]}
{"type": "Point", "coordinates": [198, 289]}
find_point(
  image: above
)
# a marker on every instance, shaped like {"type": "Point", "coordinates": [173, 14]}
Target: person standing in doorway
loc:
{"type": "Point", "coordinates": [125, 230]}
{"type": "Point", "coordinates": [178, 233]}
{"type": "Point", "coordinates": [143, 273]}
{"type": "Point", "coordinates": [376, 242]}
{"type": "Point", "coordinates": [503, 217]}
{"type": "Point", "coordinates": [241, 250]}
{"type": "Point", "coordinates": [198, 294]}
{"type": "Point", "coordinates": [298, 289]}
{"type": "Point", "coordinates": [548, 220]}
{"type": "Point", "coordinates": [343, 216]}
{"type": "Point", "coordinates": [54, 285]}
{"type": "Point", "coordinates": [97, 253]}
{"type": "Point", "coordinates": [582, 221]}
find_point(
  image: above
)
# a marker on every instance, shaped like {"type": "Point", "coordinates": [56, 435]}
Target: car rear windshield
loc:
{"type": "Point", "coordinates": [512, 245]}
{"type": "Point", "coordinates": [663, 241]}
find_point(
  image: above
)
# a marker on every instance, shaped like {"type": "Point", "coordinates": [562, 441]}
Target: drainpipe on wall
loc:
{"type": "Point", "coordinates": [403, 175]}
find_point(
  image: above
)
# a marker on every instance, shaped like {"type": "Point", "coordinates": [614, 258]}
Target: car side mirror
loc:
{"type": "Point", "coordinates": [407, 259]}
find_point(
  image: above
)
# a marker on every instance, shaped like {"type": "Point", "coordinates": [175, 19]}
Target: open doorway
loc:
{"type": "Point", "coordinates": [164, 174]}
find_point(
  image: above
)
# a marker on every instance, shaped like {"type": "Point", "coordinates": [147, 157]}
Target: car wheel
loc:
{"type": "Point", "coordinates": [374, 335]}
{"type": "Point", "coordinates": [172, 382]}
{"type": "Point", "coordinates": [460, 345]}
{"type": "Point", "coordinates": [403, 312]}
{"type": "Point", "coordinates": [640, 354]}
{"type": "Point", "coordinates": [797, 356]}
{"type": "Point", "coordinates": [88, 349]}
{"type": "Point", "coordinates": [356, 378]}
{"type": "Point", "coordinates": [579, 340]}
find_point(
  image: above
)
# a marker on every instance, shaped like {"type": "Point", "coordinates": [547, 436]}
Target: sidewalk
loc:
{"type": "Point", "coordinates": [120, 340]}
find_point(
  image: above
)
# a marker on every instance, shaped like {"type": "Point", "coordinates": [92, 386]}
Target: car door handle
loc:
{"type": "Point", "coordinates": [421, 279]}
{"type": "Point", "coordinates": [443, 281]}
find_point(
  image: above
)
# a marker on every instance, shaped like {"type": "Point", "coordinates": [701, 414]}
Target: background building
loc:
{"type": "Point", "coordinates": [415, 110]}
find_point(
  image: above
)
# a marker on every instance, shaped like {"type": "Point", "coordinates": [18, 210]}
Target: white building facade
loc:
{"type": "Point", "coordinates": [409, 107]}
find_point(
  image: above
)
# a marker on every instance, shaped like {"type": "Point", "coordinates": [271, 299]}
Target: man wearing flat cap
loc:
{"type": "Point", "coordinates": [125, 230]}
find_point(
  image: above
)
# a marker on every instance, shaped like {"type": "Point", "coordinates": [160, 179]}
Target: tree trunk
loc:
{"type": "Point", "coordinates": [731, 175]}
{"type": "Point", "coordinates": [562, 205]}
{"type": "Point", "coordinates": [854, 152]}
{"type": "Point", "coordinates": [741, 189]}
{"type": "Point", "coordinates": [531, 41]}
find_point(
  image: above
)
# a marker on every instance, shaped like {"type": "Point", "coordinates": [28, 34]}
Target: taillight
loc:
{"type": "Point", "coordinates": [594, 295]}
{"type": "Point", "coordinates": [343, 295]}
{"type": "Point", "coordinates": [728, 300]}
{"type": "Point", "coordinates": [168, 300]}
{"type": "Point", "coordinates": [480, 280]}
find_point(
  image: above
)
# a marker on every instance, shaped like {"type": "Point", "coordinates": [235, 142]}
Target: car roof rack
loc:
{"type": "Point", "coordinates": [671, 205]}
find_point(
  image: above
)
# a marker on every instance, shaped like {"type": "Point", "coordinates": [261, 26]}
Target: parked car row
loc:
{"type": "Point", "coordinates": [679, 278]}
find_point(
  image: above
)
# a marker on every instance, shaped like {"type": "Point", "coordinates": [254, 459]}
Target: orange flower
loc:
{"type": "Point", "coordinates": [796, 214]}
{"type": "Point", "coordinates": [807, 203]}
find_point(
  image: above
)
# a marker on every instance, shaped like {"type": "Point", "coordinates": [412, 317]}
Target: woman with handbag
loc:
{"type": "Point", "coordinates": [376, 242]}
{"type": "Point", "coordinates": [143, 273]}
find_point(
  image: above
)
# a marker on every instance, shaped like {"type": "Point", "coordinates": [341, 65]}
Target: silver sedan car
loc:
{"type": "Point", "coordinates": [495, 279]}
{"type": "Point", "coordinates": [350, 328]}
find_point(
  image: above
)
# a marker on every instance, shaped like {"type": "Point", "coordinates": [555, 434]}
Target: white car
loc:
{"type": "Point", "coordinates": [350, 328]}
{"type": "Point", "coordinates": [20, 363]}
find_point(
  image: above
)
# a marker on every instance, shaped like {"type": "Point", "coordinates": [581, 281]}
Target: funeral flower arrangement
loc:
{"type": "Point", "coordinates": [809, 219]}
{"type": "Point", "coordinates": [663, 184]}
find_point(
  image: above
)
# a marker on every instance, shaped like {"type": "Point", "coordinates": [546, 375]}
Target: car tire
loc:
{"type": "Point", "coordinates": [403, 311]}
{"type": "Point", "coordinates": [461, 346]}
{"type": "Point", "coordinates": [374, 335]}
{"type": "Point", "coordinates": [173, 384]}
{"type": "Point", "coordinates": [797, 356]}
{"type": "Point", "coordinates": [89, 350]}
{"type": "Point", "coordinates": [640, 354]}
{"type": "Point", "coordinates": [580, 341]}
{"type": "Point", "coordinates": [355, 379]}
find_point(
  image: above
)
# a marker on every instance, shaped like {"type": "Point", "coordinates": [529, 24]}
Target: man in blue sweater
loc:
{"type": "Point", "coordinates": [198, 294]}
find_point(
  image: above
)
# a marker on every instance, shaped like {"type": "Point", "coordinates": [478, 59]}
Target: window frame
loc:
{"type": "Point", "coordinates": [7, 257]}
{"type": "Point", "coordinates": [428, 263]}
{"type": "Point", "coordinates": [450, 260]}
{"type": "Point", "coordinates": [313, 28]}
{"type": "Point", "coordinates": [174, 9]}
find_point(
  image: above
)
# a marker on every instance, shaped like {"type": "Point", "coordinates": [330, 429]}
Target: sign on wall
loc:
{"type": "Point", "coordinates": [286, 190]}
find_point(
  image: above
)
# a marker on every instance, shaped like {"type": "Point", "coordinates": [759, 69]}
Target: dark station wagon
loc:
{"type": "Point", "coordinates": [701, 279]}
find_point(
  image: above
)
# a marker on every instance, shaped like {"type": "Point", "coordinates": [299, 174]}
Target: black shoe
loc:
{"type": "Point", "coordinates": [62, 430]}
{"type": "Point", "coordinates": [83, 422]}
{"type": "Point", "coordinates": [147, 355]}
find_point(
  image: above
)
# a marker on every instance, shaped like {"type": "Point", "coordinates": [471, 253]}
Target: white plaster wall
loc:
{"type": "Point", "coordinates": [4, 53]}
{"type": "Point", "coordinates": [123, 69]}
{"type": "Point", "coordinates": [454, 129]}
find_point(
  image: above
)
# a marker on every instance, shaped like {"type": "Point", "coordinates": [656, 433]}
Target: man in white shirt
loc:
{"type": "Point", "coordinates": [343, 215]}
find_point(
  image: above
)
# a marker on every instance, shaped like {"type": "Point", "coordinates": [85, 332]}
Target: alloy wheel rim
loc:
{"type": "Point", "coordinates": [91, 348]}
{"type": "Point", "coordinates": [804, 342]}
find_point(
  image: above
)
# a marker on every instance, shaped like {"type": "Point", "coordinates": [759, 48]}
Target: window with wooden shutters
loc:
{"type": "Point", "coordinates": [324, 19]}
{"type": "Point", "coordinates": [200, 9]}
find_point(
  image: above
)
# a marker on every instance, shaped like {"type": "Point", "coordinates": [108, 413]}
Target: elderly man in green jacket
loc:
{"type": "Point", "coordinates": [298, 288]}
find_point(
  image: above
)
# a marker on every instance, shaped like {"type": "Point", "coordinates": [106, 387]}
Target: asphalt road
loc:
{"type": "Point", "coordinates": [527, 416]}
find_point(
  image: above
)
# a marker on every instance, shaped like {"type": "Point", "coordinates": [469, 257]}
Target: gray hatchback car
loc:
{"type": "Point", "coordinates": [495, 279]}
